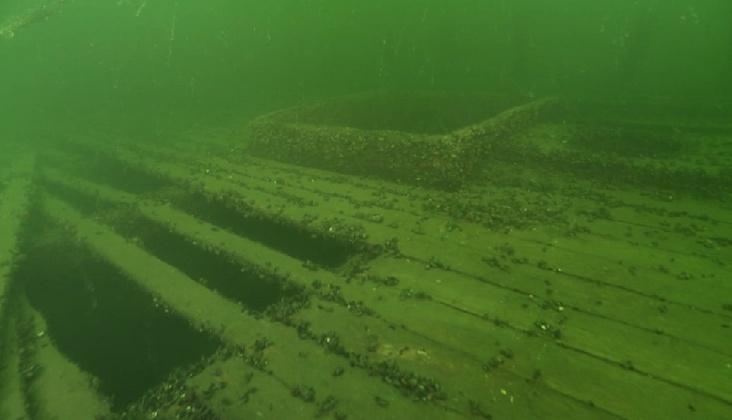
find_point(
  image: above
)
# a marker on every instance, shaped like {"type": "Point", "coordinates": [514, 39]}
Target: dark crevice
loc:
{"type": "Point", "coordinates": [289, 239]}
{"type": "Point", "coordinates": [83, 202]}
{"type": "Point", "coordinates": [103, 322]}
{"type": "Point", "coordinates": [251, 287]}
{"type": "Point", "coordinates": [282, 236]}
{"type": "Point", "coordinates": [124, 177]}
{"type": "Point", "coordinates": [102, 168]}
{"type": "Point", "coordinates": [248, 285]}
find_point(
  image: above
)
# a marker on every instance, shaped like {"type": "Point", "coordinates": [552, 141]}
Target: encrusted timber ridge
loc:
{"type": "Point", "coordinates": [442, 161]}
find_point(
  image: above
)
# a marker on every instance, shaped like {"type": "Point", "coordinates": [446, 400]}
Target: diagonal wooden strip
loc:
{"type": "Point", "coordinates": [14, 203]}
{"type": "Point", "coordinates": [227, 243]}
{"type": "Point", "coordinates": [208, 310]}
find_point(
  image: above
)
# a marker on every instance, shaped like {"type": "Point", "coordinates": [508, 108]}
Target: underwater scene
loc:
{"type": "Point", "coordinates": [382, 209]}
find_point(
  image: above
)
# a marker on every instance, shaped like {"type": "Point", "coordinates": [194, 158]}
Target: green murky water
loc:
{"type": "Point", "coordinates": [365, 209]}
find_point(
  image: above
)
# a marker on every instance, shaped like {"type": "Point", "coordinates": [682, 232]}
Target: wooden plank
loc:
{"type": "Point", "coordinates": [601, 233]}
{"type": "Point", "coordinates": [248, 393]}
{"type": "Point", "coordinates": [645, 273]}
{"type": "Point", "coordinates": [492, 380]}
{"type": "Point", "coordinates": [579, 277]}
{"type": "Point", "coordinates": [14, 202]}
{"type": "Point", "coordinates": [252, 253]}
{"type": "Point", "coordinates": [421, 246]}
{"type": "Point", "coordinates": [681, 363]}
{"type": "Point", "coordinates": [614, 391]}
{"type": "Point", "coordinates": [12, 400]}
{"type": "Point", "coordinates": [523, 179]}
{"type": "Point", "coordinates": [611, 373]}
{"type": "Point", "coordinates": [593, 257]}
{"type": "Point", "coordinates": [207, 310]}
{"type": "Point", "coordinates": [676, 241]}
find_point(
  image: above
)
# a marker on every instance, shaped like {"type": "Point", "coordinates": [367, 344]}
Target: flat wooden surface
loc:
{"type": "Point", "coordinates": [529, 294]}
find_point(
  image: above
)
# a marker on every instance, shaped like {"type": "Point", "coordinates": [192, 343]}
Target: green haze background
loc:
{"type": "Point", "coordinates": [134, 66]}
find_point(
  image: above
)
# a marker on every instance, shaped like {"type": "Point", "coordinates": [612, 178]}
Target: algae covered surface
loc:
{"type": "Point", "coordinates": [354, 210]}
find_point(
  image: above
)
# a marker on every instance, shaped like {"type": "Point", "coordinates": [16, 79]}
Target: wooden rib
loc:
{"type": "Point", "coordinates": [584, 279]}
{"type": "Point", "coordinates": [251, 253]}
{"type": "Point", "coordinates": [207, 310]}
{"type": "Point", "coordinates": [12, 400]}
{"type": "Point", "coordinates": [479, 327]}
{"type": "Point", "coordinates": [14, 202]}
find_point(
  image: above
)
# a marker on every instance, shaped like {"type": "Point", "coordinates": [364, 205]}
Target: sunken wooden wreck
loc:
{"type": "Point", "coordinates": [524, 261]}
